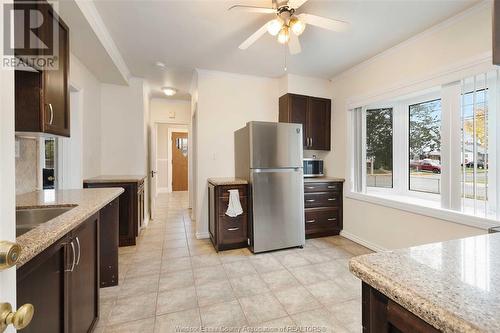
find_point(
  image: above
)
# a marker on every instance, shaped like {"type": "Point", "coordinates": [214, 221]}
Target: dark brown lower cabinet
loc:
{"type": "Point", "coordinates": [323, 208]}
{"type": "Point", "coordinates": [131, 208]}
{"type": "Point", "coordinates": [84, 280]}
{"type": "Point", "coordinates": [62, 282]}
{"type": "Point", "coordinates": [382, 315]}
{"type": "Point", "coordinates": [227, 232]}
{"type": "Point", "coordinates": [43, 282]}
{"type": "Point", "coordinates": [108, 241]}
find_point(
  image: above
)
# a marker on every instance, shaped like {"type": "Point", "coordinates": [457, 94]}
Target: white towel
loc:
{"type": "Point", "coordinates": [234, 207]}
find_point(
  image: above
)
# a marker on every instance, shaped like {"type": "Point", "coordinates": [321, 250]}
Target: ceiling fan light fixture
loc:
{"type": "Point", "coordinates": [169, 91]}
{"type": "Point", "coordinates": [297, 26]}
{"type": "Point", "coordinates": [274, 26]}
{"type": "Point", "coordinates": [284, 35]}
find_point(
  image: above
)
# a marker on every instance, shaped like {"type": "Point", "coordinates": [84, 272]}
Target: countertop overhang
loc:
{"type": "Point", "coordinates": [452, 285]}
{"type": "Point", "coordinates": [323, 179]}
{"type": "Point", "coordinates": [220, 181]}
{"type": "Point", "coordinates": [115, 179]}
{"type": "Point", "coordinates": [86, 202]}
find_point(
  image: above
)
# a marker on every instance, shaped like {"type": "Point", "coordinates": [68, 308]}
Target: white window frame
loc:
{"type": "Point", "coordinates": [447, 205]}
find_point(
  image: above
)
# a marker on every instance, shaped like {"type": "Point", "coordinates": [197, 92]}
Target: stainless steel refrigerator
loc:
{"type": "Point", "coordinates": [269, 156]}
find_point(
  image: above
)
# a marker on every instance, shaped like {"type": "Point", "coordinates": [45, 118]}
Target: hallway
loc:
{"type": "Point", "coordinates": [171, 281]}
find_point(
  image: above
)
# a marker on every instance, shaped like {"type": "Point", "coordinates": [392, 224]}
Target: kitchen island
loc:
{"type": "Point", "coordinates": [451, 286]}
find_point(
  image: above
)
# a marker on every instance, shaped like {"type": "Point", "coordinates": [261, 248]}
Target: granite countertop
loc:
{"type": "Point", "coordinates": [452, 285]}
{"type": "Point", "coordinates": [219, 181]}
{"type": "Point", "coordinates": [322, 179]}
{"type": "Point", "coordinates": [115, 179]}
{"type": "Point", "coordinates": [85, 202]}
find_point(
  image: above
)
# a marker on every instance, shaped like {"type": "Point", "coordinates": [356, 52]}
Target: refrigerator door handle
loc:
{"type": "Point", "coordinates": [296, 169]}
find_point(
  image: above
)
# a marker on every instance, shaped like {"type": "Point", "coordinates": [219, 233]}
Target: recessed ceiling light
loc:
{"type": "Point", "coordinates": [169, 91]}
{"type": "Point", "coordinates": [161, 65]}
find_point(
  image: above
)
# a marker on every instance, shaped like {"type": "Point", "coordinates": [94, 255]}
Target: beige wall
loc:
{"type": "Point", "coordinates": [454, 42]}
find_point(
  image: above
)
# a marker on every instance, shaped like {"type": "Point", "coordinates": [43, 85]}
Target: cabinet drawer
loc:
{"type": "Point", "coordinates": [233, 229]}
{"type": "Point", "coordinates": [322, 219]}
{"type": "Point", "coordinates": [224, 202]}
{"type": "Point", "coordinates": [322, 199]}
{"type": "Point", "coordinates": [322, 187]}
{"type": "Point", "coordinates": [223, 191]}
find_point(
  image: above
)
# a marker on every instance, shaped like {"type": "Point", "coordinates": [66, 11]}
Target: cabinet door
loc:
{"type": "Point", "coordinates": [293, 109]}
{"type": "Point", "coordinates": [108, 241]}
{"type": "Point", "coordinates": [84, 280]}
{"type": "Point", "coordinates": [318, 123]}
{"type": "Point", "coordinates": [43, 283]}
{"type": "Point", "coordinates": [55, 81]}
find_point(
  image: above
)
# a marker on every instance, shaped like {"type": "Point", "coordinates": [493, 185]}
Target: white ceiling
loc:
{"type": "Point", "coordinates": [191, 34]}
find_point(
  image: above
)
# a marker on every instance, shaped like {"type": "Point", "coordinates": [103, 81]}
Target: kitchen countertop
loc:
{"type": "Point", "coordinates": [323, 179]}
{"type": "Point", "coordinates": [452, 285]}
{"type": "Point", "coordinates": [86, 202]}
{"type": "Point", "coordinates": [219, 181]}
{"type": "Point", "coordinates": [115, 179]}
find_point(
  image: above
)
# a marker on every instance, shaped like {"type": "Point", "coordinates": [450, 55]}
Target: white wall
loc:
{"type": "Point", "coordinates": [90, 88]}
{"type": "Point", "coordinates": [170, 111]}
{"type": "Point", "coordinates": [225, 103]}
{"type": "Point", "coordinates": [457, 41]}
{"type": "Point", "coordinates": [123, 137]}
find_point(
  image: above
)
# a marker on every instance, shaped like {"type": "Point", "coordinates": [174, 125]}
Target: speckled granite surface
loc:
{"type": "Point", "coordinates": [85, 202]}
{"type": "Point", "coordinates": [323, 179]}
{"type": "Point", "coordinates": [115, 179]}
{"type": "Point", "coordinates": [227, 181]}
{"type": "Point", "coordinates": [453, 285]}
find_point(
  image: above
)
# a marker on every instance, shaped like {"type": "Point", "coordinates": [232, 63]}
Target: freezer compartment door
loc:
{"type": "Point", "coordinates": [275, 145]}
{"type": "Point", "coordinates": [278, 209]}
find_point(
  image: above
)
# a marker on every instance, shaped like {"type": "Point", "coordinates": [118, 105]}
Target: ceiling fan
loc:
{"type": "Point", "coordinates": [287, 25]}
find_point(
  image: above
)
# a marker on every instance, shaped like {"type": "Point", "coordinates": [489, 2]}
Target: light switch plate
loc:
{"type": "Point", "coordinates": [171, 114]}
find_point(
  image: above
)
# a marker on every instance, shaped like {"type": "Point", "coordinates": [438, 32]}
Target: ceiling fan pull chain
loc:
{"type": "Point", "coordinates": [284, 48]}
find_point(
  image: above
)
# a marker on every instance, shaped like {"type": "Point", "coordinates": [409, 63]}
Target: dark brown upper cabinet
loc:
{"type": "Point", "coordinates": [313, 113]}
{"type": "Point", "coordinates": [42, 93]}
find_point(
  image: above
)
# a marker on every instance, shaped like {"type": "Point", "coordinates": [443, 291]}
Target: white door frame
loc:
{"type": "Point", "coordinates": [153, 172]}
{"type": "Point", "coordinates": [7, 176]}
{"type": "Point", "coordinates": [169, 153]}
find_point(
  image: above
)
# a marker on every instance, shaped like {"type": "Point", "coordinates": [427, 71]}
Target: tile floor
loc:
{"type": "Point", "coordinates": [171, 281]}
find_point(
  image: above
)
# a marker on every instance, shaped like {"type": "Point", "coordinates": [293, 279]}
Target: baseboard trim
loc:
{"type": "Point", "coordinates": [162, 190]}
{"type": "Point", "coordinates": [145, 222]}
{"type": "Point", "coordinates": [362, 241]}
{"type": "Point", "coordinates": [202, 235]}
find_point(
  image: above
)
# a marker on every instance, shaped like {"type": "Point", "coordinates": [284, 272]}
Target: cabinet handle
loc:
{"type": "Point", "coordinates": [310, 187]}
{"type": "Point", "coordinates": [79, 251]}
{"type": "Point", "coordinates": [310, 221]}
{"type": "Point", "coordinates": [332, 186]}
{"type": "Point", "coordinates": [51, 114]}
{"type": "Point", "coordinates": [233, 229]}
{"type": "Point", "coordinates": [332, 199]}
{"type": "Point", "coordinates": [310, 200]}
{"type": "Point", "coordinates": [332, 219]}
{"type": "Point", "coordinates": [74, 256]}
{"type": "Point", "coordinates": [311, 142]}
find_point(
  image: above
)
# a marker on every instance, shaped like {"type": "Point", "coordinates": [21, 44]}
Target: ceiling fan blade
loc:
{"type": "Point", "coordinates": [252, 9]}
{"type": "Point", "coordinates": [294, 44]}
{"type": "Point", "coordinates": [323, 22]}
{"type": "Point", "coordinates": [296, 3]}
{"type": "Point", "coordinates": [254, 37]}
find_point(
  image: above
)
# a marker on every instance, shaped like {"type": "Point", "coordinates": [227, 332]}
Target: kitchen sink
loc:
{"type": "Point", "coordinates": [27, 219]}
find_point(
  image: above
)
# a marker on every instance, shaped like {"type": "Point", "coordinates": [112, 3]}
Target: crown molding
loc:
{"type": "Point", "coordinates": [94, 19]}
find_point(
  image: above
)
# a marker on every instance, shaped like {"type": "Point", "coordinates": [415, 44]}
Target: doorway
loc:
{"type": "Point", "coordinates": [179, 150]}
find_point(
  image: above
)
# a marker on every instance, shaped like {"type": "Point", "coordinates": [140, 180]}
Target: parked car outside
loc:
{"type": "Point", "coordinates": [430, 165]}
{"type": "Point", "coordinates": [480, 164]}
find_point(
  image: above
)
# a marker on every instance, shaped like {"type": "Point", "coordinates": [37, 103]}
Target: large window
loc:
{"type": "Point", "coordinates": [379, 148]}
{"type": "Point", "coordinates": [437, 148]}
{"type": "Point", "coordinates": [425, 146]}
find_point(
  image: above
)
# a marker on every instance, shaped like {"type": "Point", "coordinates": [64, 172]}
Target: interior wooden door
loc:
{"type": "Point", "coordinates": [179, 161]}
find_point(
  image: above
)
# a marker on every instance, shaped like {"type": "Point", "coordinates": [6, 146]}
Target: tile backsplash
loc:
{"type": "Point", "coordinates": [26, 165]}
